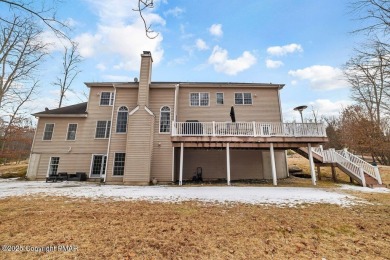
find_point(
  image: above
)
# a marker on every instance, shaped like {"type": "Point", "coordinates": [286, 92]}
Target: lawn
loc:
{"type": "Point", "coordinates": [110, 229]}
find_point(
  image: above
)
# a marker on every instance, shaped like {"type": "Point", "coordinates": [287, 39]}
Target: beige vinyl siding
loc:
{"type": "Point", "coordinates": [162, 145]}
{"type": "Point", "coordinates": [70, 163]}
{"type": "Point", "coordinates": [144, 81]}
{"type": "Point", "coordinates": [265, 105]}
{"type": "Point", "coordinates": [85, 137]}
{"type": "Point", "coordinates": [139, 147]}
{"type": "Point", "coordinates": [124, 97]}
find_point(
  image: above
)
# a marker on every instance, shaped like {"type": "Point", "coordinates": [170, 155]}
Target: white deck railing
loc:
{"type": "Point", "coordinates": [253, 129]}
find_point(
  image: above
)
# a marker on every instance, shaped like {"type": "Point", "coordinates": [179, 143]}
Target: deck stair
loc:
{"type": "Point", "coordinates": [359, 170]}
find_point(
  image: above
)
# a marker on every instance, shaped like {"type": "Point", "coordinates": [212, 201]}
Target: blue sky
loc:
{"type": "Point", "coordinates": [302, 44]}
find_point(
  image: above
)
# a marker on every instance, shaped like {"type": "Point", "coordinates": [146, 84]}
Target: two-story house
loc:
{"type": "Point", "coordinates": [133, 132]}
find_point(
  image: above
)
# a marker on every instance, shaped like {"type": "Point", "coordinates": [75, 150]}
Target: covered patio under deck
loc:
{"type": "Point", "coordinates": [237, 136]}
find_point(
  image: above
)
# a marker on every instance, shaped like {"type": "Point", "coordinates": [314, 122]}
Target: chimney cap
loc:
{"type": "Point", "coordinates": [147, 52]}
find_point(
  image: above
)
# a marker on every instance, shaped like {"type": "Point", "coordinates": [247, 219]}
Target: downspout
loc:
{"type": "Point", "coordinates": [109, 139]}
{"type": "Point", "coordinates": [176, 95]}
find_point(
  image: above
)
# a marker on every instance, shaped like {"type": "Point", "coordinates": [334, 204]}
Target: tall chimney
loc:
{"type": "Point", "coordinates": [145, 78]}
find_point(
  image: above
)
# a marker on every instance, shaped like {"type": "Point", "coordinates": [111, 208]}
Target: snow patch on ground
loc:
{"type": "Point", "coordinates": [364, 189]}
{"type": "Point", "coordinates": [283, 196]}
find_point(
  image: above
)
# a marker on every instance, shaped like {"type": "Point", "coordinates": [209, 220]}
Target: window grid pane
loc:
{"type": "Point", "coordinates": [101, 129]}
{"type": "Point", "coordinates": [105, 98]}
{"type": "Point", "coordinates": [220, 98]}
{"type": "Point", "coordinates": [204, 99]}
{"type": "Point", "coordinates": [238, 99]}
{"type": "Point", "coordinates": [54, 162]}
{"type": "Point", "coordinates": [119, 164]}
{"type": "Point", "coordinates": [72, 128]}
{"type": "Point", "coordinates": [194, 99]}
{"type": "Point", "coordinates": [247, 98]}
{"type": "Point", "coordinates": [48, 133]}
{"type": "Point", "coordinates": [165, 120]}
{"type": "Point", "coordinates": [121, 123]}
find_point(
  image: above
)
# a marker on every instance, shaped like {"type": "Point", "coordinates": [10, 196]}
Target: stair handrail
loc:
{"type": "Point", "coordinates": [354, 169]}
{"type": "Point", "coordinates": [367, 168]}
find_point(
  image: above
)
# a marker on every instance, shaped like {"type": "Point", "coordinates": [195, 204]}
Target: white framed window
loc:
{"type": "Point", "coordinates": [165, 119]}
{"type": "Point", "coordinates": [71, 135]}
{"type": "Point", "coordinates": [243, 98]}
{"type": "Point", "coordinates": [107, 98]}
{"type": "Point", "coordinates": [53, 165]}
{"type": "Point", "coordinates": [119, 164]}
{"type": "Point", "coordinates": [103, 129]}
{"type": "Point", "coordinates": [219, 98]}
{"type": "Point", "coordinates": [48, 132]}
{"type": "Point", "coordinates": [121, 120]}
{"type": "Point", "coordinates": [199, 99]}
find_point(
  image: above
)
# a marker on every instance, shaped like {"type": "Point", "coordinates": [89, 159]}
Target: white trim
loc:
{"type": "Point", "coordinates": [113, 166]}
{"type": "Point", "coordinates": [127, 119]}
{"type": "Point", "coordinates": [111, 98]}
{"type": "Point", "coordinates": [243, 99]}
{"type": "Point", "coordinates": [173, 164]}
{"type": "Point", "coordinates": [109, 138]}
{"type": "Point", "coordinates": [273, 165]}
{"type": "Point", "coordinates": [311, 164]}
{"type": "Point", "coordinates": [189, 98]}
{"type": "Point", "coordinates": [105, 169]}
{"type": "Point", "coordinates": [170, 122]}
{"type": "Point", "coordinates": [105, 133]}
{"type": "Point", "coordinates": [44, 130]}
{"type": "Point", "coordinates": [48, 168]}
{"type": "Point", "coordinates": [133, 111]}
{"type": "Point", "coordinates": [177, 86]}
{"type": "Point", "coordinates": [148, 110]}
{"type": "Point", "coordinates": [228, 163]}
{"type": "Point", "coordinates": [75, 134]}
{"type": "Point", "coordinates": [181, 164]}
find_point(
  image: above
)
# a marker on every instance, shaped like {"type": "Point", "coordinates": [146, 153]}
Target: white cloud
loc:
{"type": "Point", "coordinates": [322, 107]}
{"type": "Point", "coordinates": [221, 62]}
{"type": "Point", "coordinates": [283, 50]}
{"type": "Point", "coordinates": [216, 30]}
{"type": "Point", "coordinates": [121, 35]}
{"type": "Point", "coordinates": [201, 45]}
{"type": "Point", "coordinates": [53, 43]}
{"type": "Point", "coordinates": [327, 107]}
{"type": "Point", "coordinates": [101, 67]}
{"type": "Point", "coordinates": [321, 77]}
{"type": "Point", "coordinates": [176, 12]}
{"type": "Point", "coordinates": [273, 64]}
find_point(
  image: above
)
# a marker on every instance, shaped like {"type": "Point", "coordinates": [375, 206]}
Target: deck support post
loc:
{"type": "Point", "coordinates": [334, 173]}
{"type": "Point", "coordinates": [173, 164]}
{"type": "Point", "coordinates": [228, 163]}
{"type": "Point", "coordinates": [273, 165]}
{"type": "Point", "coordinates": [319, 172]}
{"type": "Point", "coordinates": [181, 164]}
{"type": "Point", "coordinates": [311, 161]}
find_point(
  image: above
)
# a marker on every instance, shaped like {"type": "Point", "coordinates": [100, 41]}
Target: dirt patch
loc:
{"type": "Point", "coordinates": [142, 230]}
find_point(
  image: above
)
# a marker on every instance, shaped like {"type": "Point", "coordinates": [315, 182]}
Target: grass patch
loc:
{"type": "Point", "coordinates": [17, 171]}
{"type": "Point", "coordinates": [142, 230]}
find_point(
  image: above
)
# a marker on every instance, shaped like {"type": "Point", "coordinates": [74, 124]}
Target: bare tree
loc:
{"type": "Point", "coordinates": [368, 73]}
{"type": "Point", "coordinates": [375, 14]}
{"type": "Point", "coordinates": [43, 11]}
{"type": "Point", "coordinates": [21, 51]}
{"type": "Point", "coordinates": [70, 62]}
{"type": "Point", "coordinates": [142, 6]}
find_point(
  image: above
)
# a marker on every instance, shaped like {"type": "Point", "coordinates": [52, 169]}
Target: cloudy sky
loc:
{"type": "Point", "coordinates": [300, 43]}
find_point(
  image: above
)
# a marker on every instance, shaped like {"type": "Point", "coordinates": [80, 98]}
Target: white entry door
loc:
{"type": "Point", "coordinates": [98, 169]}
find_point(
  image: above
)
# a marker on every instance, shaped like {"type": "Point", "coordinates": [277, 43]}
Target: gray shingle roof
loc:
{"type": "Point", "coordinates": [78, 109]}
